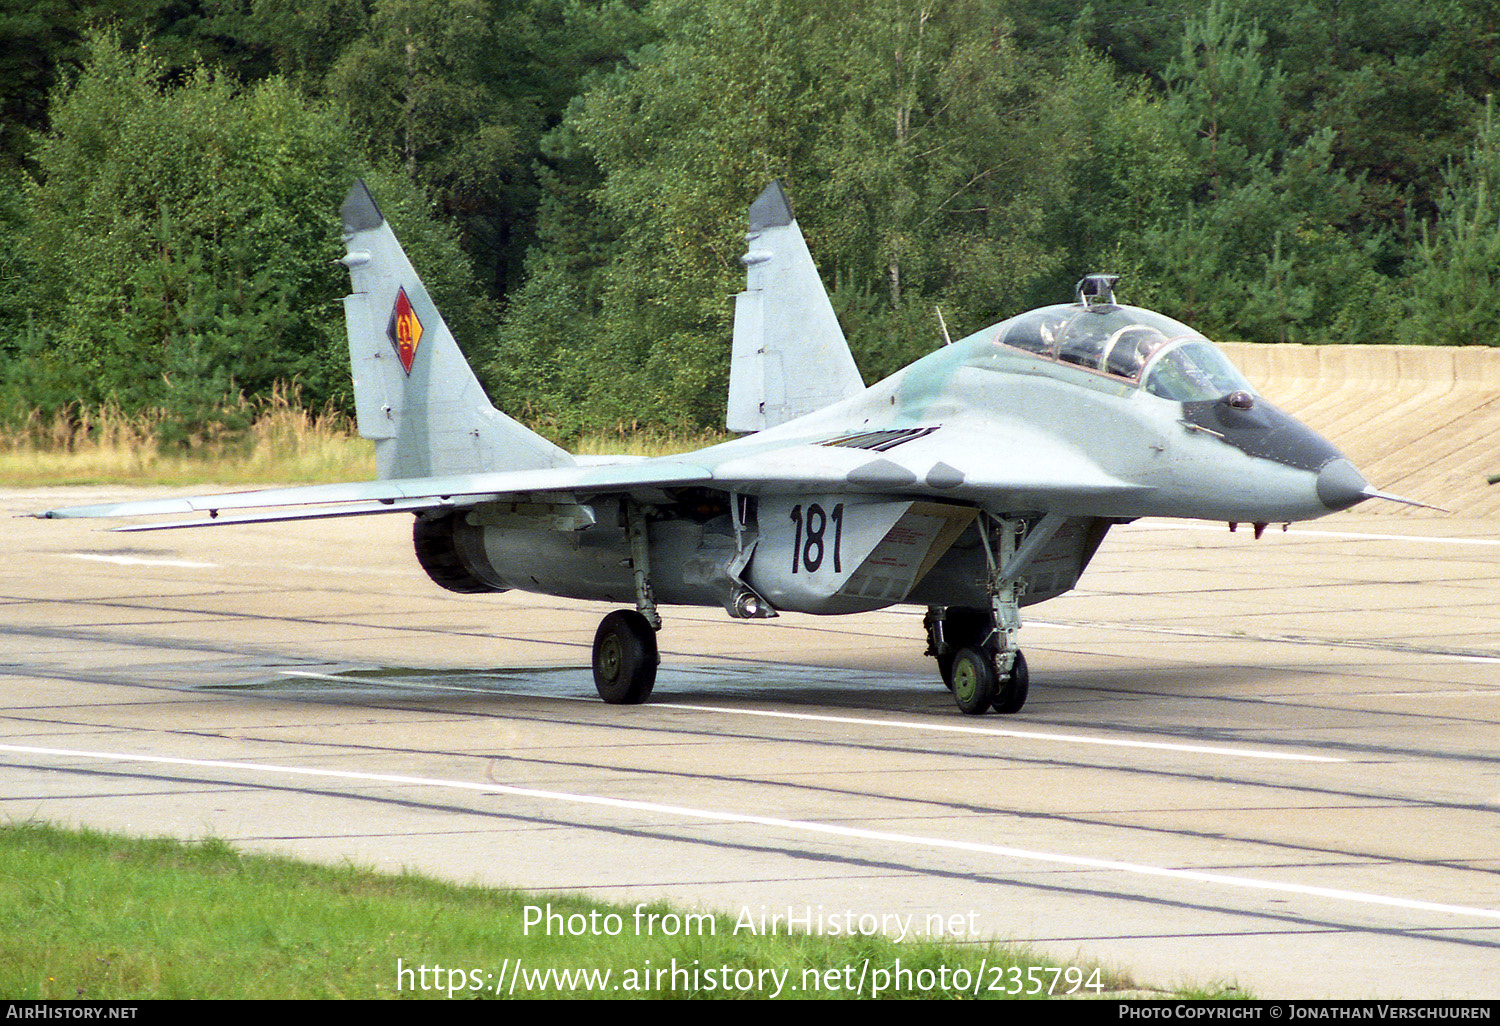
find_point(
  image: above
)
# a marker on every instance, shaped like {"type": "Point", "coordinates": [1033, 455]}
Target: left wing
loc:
{"type": "Point", "coordinates": [313, 502]}
{"type": "Point", "coordinates": [1031, 473]}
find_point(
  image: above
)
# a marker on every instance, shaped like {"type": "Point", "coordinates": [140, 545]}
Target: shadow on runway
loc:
{"type": "Point", "coordinates": [845, 689]}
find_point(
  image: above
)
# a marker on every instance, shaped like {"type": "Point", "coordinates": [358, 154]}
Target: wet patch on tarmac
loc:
{"type": "Point", "coordinates": [758, 682]}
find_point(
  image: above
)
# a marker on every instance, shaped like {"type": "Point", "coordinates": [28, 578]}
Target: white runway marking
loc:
{"type": "Point", "coordinates": [396, 684]}
{"type": "Point", "coordinates": [944, 728]}
{"type": "Point", "coordinates": [1029, 735]}
{"type": "Point", "coordinates": [801, 826]}
{"type": "Point", "coordinates": [1435, 539]}
{"type": "Point", "coordinates": [99, 557]}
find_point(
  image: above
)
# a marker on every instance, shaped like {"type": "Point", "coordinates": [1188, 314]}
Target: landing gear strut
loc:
{"type": "Point", "coordinates": [625, 653]}
{"type": "Point", "coordinates": [976, 648]}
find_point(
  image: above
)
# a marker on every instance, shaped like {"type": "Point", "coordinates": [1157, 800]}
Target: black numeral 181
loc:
{"type": "Point", "coordinates": [808, 553]}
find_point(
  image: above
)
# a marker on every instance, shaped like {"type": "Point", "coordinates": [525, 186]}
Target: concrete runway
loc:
{"type": "Point", "coordinates": [1273, 763]}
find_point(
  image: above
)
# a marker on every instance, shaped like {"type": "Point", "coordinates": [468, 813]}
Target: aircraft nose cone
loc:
{"type": "Point", "coordinates": [1340, 485]}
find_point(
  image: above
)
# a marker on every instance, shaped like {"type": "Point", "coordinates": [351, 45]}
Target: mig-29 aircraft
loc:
{"type": "Point", "coordinates": [979, 479]}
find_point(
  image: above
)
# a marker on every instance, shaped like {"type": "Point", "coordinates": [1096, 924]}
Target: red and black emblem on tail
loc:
{"type": "Point", "coordinates": [404, 330]}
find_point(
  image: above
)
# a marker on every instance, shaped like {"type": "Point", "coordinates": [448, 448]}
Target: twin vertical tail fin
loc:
{"type": "Point", "coordinates": [414, 393]}
{"type": "Point", "coordinates": [790, 357]}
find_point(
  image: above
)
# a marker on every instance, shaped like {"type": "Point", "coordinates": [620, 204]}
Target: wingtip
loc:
{"type": "Point", "coordinates": [360, 212]}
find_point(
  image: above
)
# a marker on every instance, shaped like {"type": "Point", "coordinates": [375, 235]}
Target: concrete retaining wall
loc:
{"type": "Point", "coordinates": [1422, 422]}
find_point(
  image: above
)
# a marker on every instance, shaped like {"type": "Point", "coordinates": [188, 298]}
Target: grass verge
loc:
{"type": "Point", "coordinates": [91, 916]}
{"type": "Point", "coordinates": [282, 444]}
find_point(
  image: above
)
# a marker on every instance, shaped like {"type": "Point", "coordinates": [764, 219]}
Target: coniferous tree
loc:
{"type": "Point", "coordinates": [1261, 249]}
{"type": "Point", "coordinates": [1455, 291]}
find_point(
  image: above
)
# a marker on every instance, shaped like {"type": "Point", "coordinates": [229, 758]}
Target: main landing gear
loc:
{"type": "Point", "coordinates": [625, 658]}
{"type": "Point", "coordinates": [625, 655]}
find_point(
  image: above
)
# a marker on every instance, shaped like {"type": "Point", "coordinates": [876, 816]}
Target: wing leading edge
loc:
{"type": "Point", "coordinates": [1032, 483]}
{"type": "Point", "coordinates": [397, 495]}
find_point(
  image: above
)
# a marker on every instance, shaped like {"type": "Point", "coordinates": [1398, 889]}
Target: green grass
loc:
{"type": "Point", "coordinates": [646, 442]}
{"type": "Point", "coordinates": [85, 915]}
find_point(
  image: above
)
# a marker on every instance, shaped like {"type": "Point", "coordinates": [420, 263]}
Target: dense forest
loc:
{"type": "Point", "coordinates": [571, 177]}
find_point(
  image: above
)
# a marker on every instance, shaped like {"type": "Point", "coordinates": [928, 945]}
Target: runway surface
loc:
{"type": "Point", "coordinates": [1273, 763]}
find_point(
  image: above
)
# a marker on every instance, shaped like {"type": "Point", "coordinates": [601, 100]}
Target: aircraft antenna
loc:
{"type": "Point", "coordinates": [947, 339]}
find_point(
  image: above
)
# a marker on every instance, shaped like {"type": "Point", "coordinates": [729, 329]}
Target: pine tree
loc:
{"type": "Point", "coordinates": [1455, 291]}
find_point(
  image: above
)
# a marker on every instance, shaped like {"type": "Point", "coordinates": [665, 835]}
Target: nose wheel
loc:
{"type": "Point", "coordinates": [975, 647]}
{"type": "Point", "coordinates": [1010, 692]}
{"type": "Point", "coordinates": [973, 680]}
{"type": "Point", "coordinates": [979, 685]}
{"type": "Point", "coordinates": [952, 629]}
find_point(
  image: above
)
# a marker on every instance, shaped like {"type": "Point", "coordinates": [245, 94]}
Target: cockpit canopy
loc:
{"type": "Point", "coordinates": [1161, 355]}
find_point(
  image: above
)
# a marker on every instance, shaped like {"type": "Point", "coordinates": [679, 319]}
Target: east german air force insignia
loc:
{"type": "Point", "coordinates": [404, 330]}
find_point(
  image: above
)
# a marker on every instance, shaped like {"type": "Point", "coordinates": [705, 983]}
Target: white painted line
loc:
{"type": "Point", "coordinates": [802, 826]}
{"type": "Point", "coordinates": [394, 683]}
{"type": "Point", "coordinates": [97, 557]}
{"type": "Point", "coordinates": [1436, 539]}
{"type": "Point", "coordinates": [942, 728]}
{"type": "Point", "coordinates": [1027, 735]}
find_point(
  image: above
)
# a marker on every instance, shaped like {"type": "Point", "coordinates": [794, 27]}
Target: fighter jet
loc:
{"type": "Point", "coordinates": [980, 479]}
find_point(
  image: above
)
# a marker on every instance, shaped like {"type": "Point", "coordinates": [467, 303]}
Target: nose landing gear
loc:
{"type": "Point", "coordinates": [976, 649]}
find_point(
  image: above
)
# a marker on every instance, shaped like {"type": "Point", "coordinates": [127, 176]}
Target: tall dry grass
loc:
{"type": "Point", "coordinates": [283, 443]}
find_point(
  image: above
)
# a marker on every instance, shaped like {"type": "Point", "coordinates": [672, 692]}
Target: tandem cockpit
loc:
{"type": "Point", "coordinates": [1163, 356]}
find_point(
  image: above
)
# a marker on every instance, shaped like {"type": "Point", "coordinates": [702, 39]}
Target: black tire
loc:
{"type": "Point", "coordinates": [625, 658]}
{"type": "Point", "coordinates": [945, 669]}
{"type": "Point", "coordinates": [1010, 694]}
{"type": "Point", "coordinates": [964, 626]}
{"type": "Point", "coordinates": [973, 680]}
